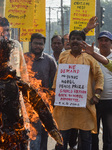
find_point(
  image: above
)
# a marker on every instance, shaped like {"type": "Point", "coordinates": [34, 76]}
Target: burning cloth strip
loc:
{"type": "Point", "coordinates": [42, 110]}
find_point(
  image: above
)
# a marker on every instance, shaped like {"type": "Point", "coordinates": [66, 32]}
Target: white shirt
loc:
{"type": "Point", "coordinates": [107, 91]}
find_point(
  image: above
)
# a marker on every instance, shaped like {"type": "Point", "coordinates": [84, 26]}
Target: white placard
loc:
{"type": "Point", "coordinates": [71, 85]}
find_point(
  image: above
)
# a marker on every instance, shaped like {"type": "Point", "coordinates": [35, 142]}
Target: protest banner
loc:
{"type": "Point", "coordinates": [20, 13]}
{"type": "Point", "coordinates": [39, 22]}
{"type": "Point", "coordinates": [71, 85]}
{"type": "Point", "coordinates": [81, 12]}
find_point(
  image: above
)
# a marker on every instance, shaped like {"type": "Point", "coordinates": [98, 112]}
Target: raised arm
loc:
{"type": "Point", "coordinates": [91, 24]}
{"type": "Point", "coordinates": [90, 50]}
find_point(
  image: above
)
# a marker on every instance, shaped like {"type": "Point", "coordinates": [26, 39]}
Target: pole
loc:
{"type": "Point", "coordinates": [49, 30]}
{"type": "Point", "coordinates": [98, 15]}
{"type": "Point", "coordinates": [62, 19]}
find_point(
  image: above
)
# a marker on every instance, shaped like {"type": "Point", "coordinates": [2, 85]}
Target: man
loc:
{"type": "Point", "coordinates": [44, 67]}
{"type": "Point", "coordinates": [90, 25]}
{"type": "Point", "coordinates": [66, 42]}
{"type": "Point", "coordinates": [57, 46]}
{"type": "Point", "coordinates": [83, 119]}
{"type": "Point", "coordinates": [104, 107]}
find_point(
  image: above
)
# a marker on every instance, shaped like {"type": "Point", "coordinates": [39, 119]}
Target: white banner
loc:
{"type": "Point", "coordinates": [71, 85]}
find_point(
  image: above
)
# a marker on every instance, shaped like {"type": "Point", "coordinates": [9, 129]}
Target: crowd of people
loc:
{"type": "Point", "coordinates": [79, 126]}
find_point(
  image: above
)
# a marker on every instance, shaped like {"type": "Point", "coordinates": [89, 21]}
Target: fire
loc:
{"type": "Point", "coordinates": [5, 78]}
{"type": "Point", "coordinates": [42, 102]}
{"type": "Point", "coordinates": [13, 133]}
{"type": "Point", "coordinates": [45, 93]}
{"type": "Point", "coordinates": [42, 109]}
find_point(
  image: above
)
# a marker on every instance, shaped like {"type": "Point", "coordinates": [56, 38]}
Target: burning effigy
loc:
{"type": "Point", "coordinates": [13, 135]}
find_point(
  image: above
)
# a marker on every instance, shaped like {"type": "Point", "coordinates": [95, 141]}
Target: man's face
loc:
{"type": "Point", "coordinates": [104, 44]}
{"type": "Point", "coordinates": [57, 44]}
{"type": "Point", "coordinates": [5, 32]}
{"type": "Point", "coordinates": [66, 42]}
{"type": "Point", "coordinates": [37, 46]}
{"type": "Point", "coordinates": [75, 43]}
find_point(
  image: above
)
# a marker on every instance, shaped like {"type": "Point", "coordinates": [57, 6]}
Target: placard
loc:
{"type": "Point", "coordinates": [39, 22]}
{"type": "Point", "coordinates": [20, 13]}
{"type": "Point", "coordinates": [81, 12]}
{"type": "Point", "coordinates": [71, 85]}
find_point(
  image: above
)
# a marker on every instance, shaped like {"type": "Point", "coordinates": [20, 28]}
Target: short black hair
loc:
{"type": "Point", "coordinates": [56, 36]}
{"type": "Point", "coordinates": [38, 36]}
{"type": "Point", "coordinates": [4, 22]}
{"type": "Point", "coordinates": [77, 32]}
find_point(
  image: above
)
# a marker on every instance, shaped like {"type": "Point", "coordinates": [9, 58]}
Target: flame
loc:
{"type": "Point", "coordinates": [14, 137]}
{"type": "Point", "coordinates": [5, 78]}
{"type": "Point", "coordinates": [46, 96]}
{"type": "Point", "coordinates": [37, 84]}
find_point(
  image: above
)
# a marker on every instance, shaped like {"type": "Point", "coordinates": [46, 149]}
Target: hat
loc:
{"type": "Point", "coordinates": [106, 34]}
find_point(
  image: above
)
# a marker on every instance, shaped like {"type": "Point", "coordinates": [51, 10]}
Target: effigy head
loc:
{"type": "Point", "coordinates": [5, 49]}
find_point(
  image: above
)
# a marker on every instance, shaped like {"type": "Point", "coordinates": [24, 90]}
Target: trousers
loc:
{"type": "Point", "coordinates": [104, 114]}
{"type": "Point", "coordinates": [85, 137]}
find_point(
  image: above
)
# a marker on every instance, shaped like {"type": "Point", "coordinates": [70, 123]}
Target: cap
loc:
{"type": "Point", "coordinates": [106, 34]}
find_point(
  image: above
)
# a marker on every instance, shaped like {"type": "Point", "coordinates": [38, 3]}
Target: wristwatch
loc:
{"type": "Point", "coordinates": [97, 95]}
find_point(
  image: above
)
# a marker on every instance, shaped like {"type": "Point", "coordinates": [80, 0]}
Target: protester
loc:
{"type": "Point", "coordinates": [90, 25]}
{"type": "Point", "coordinates": [104, 106]}
{"type": "Point", "coordinates": [102, 59]}
{"type": "Point", "coordinates": [83, 119]}
{"type": "Point", "coordinates": [57, 46]}
{"type": "Point", "coordinates": [66, 41]}
{"type": "Point", "coordinates": [44, 67]}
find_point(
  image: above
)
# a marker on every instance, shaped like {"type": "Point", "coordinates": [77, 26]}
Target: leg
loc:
{"type": "Point", "coordinates": [44, 139]}
{"type": "Point", "coordinates": [86, 140]}
{"type": "Point", "coordinates": [65, 135]}
{"type": "Point", "coordinates": [35, 144]}
{"type": "Point", "coordinates": [73, 138]}
{"type": "Point", "coordinates": [95, 138]}
{"type": "Point", "coordinates": [107, 124]}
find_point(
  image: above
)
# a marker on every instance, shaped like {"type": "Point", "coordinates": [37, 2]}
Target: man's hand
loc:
{"type": "Point", "coordinates": [92, 23]}
{"type": "Point", "coordinates": [94, 100]}
{"type": "Point", "coordinates": [89, 49]}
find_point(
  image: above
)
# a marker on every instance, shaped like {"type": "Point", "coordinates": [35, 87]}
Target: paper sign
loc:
{"type": "Point", "coordinates": [20, 13]}
{"type": "Point", "coordinates": [81, 12]}
{"type": "Point", "coordinates": [71, 85]}
{"type": "Point", "coordinates": [39, 22]}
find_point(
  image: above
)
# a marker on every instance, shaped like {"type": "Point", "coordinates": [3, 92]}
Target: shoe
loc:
{"type": "Point", "coordinates": [74, 148]}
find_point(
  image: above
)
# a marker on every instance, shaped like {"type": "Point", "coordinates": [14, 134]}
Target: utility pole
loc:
{"type": "Point", "coordinates": [62, 19]}
{"type": "Point", "coordinates": [98, 11]}
{"type": "Point", "coordinates": [49, 29]}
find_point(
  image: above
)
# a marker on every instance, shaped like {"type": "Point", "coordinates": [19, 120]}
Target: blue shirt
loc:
{"type": "Point", "coordinates": [44, 68]}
